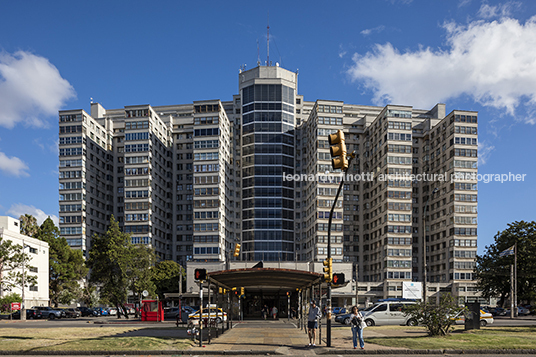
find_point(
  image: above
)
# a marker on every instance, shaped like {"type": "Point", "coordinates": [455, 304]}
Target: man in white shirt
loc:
{"type": "Point", "coordinates": [312, 322]}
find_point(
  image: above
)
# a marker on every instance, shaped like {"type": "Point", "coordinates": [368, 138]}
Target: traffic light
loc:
{"type": "Point", "coordinates": [328, 269]}
{"type": "Point", "coordinates": [338, 278]}
{"type": "Point", "coordinates": [242, 292]}
{"type": "Point", "coordinates": [338, 150]}
{"type": "Point", "coordinates": [200, 274]}
{"type": "Point", "coordinates": [237, 250]}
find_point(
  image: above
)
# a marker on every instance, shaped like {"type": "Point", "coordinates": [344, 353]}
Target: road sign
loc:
{"type": "Point", "coordinates": [16, 306]}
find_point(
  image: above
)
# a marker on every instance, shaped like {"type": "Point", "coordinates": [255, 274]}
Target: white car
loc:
{"type": "Point", "coordinates": [485, 318]}
{"type": "Point", "coordinates": [215, 313]}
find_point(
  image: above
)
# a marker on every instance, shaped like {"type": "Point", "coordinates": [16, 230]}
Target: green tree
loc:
{"type": "Point", "coordinates": [493, 272]}
{"type": "Point", "coordinates": [67, 267]}
{"type": "Point", "coordinates": [5, 301]}
{"type": "Point", "coordinates": [28, 225]}
{"type": "Point", "coordinates": [439, 318]}
{"type": "Point", "coordinates": [109, 259]}
{"type": "Point", "coordinates": [140, 271]}
{"type": "Point", "coordinates": [166, 277]}
{"type": "Point", "coordinates": [14, 263]}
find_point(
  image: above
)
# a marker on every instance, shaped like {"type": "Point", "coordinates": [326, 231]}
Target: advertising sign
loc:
{"type": "Point", "coordinates": [15, 306]}
{"type": "Point", "coordinates": [411, 290]}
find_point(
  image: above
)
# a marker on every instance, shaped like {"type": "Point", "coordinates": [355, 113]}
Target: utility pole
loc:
{"type": "Point", "coordinates": [23, 305]}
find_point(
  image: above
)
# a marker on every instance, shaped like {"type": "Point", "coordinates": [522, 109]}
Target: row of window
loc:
{"type": "Point", "coordinates": [70, 117]}
{"type": "Point", "coordinates": [207, 132]}
{"type": "Point", "coordinates": [329, 121]}
{"type": "Point", "coordinates": [465, 118]}
{"type": "Point", "coordinates": [70, 230]}
{"type": "Point", "coordinates": [136, 159]}
{"type": "Point", "coordinates": [70, 219]}
{"type": "Point", "coordinates": [137, 183]}
{"type": "Point", "coordinates": [465, 209]}
{"type": "Point", "coordinates": [329, 109]}
{"type": "Point", "coordinates": [398, 229]}
{"type": "Point", "coordinates": [463, 231]}
{"type": "Point", "coordinates": [207, 168]}
{"type": "Point", "coordinates": [334, 250]}
{"type": "Point", "coordinates": [400, 160]}
{"type": "Point", "coordinates": [206, 214]}
{"type": "Point", "coordinates": [70, 129]}
{"type": "Point", "coordinates": [463, 164]}
{"type": "Point", "coordinates": [398, 137]}
{"type": "Point", "coordinates": [398, 275]}
{"type": "Point", "coordinates": [465, 141]}
{"type": "Point", "coordinates": [465, 152]}
{"type": "Point", "coordinates": [465, 198]}
{"type": "Point", "coordinates": [72, 197]}
{"type": "Point", "coordinates": [70, 163]}
{"type": "Point", "coordinates": [399, 263]}
{"type": "Point", "coordinates": [209, 191]}
{"type": "Point", "coordinates": [465, 220]}
{"type": "Point", "coordinates": [323, 227]}
{"type": "Point", "coordinates": [206, 239]}
{"type": "Point", "coordinates": [137, 194]}
{"type": "Point", "coordinates": [206, 250]}
{"type": "Point", "coordinates": [137, 217]}
{"type": "Point", "coordinates": [325, 214]}
{"type": "Point", "coordinates": [206, 144]}
{"type": "Point", "coordinates": [136, 125]}
{"type": "Point", "coordinates": [137, 148]}
{"type": "Point", "coordinates": [140, 240]}
{"type": "Point", "coordinates": [399, 217]}
{"type": "Point", "coordinates": [133, 206]}
{"type": "Point", "coordinates": [71, 185]}
{"type": "Point", "coordinates": [398, 206]}
{"type": "Point", "coordinates": [137, 113]}
{"type": "Point", "coordinates": [136, 136]}
{"type": "Point", "coordinates": [206, 156]}
{"type": "Point", "coordinates": [71, 208]}
{"type": "Point", "coordinates": [203, 227]}
{"type": "Point", "coordinates": [136, 229]}
{"type": "Point", "coordinates": [403, 149]}
{"type": "Point", "coordinates": [206, 120]}
{"type": "Point", "coordinates": [465, 186]}
{"type": "Point", "coordinates": [399, 125]}
{"type": "Point", "coordinates": [71, 174]}
{"type": "Point", "coordinates": [398, 241]}
{"type": "Point", "coordinates": [465, 129]}
{"type": "Point", "coordinates": [71, 140]}
{"type": "Point", "coordinates": [206, 203]}
{"type": "Point", "coordinates": [399, 183]}
{"type": "Point", "coordinates": [399, 194]}
{"type": "Point", "coordinates": [136, 171]}
{"type": "Point", "coordinates": [463, 242]}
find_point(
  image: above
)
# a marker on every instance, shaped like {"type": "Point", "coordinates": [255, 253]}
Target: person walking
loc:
{"type": "Point", "coordinates": [358, 324]}
{"type": "Point", "coordinates": [265, 312]}
{"type": "Point", "coordinates": [312, 323]}
{"type": "Point", "coordinates": [274, 312]}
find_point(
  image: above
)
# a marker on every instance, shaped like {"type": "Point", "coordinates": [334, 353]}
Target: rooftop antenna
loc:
{"type": "Point", "coordinates": [268, 40]}
{"type": "Point", "coordinates": [258, 54]}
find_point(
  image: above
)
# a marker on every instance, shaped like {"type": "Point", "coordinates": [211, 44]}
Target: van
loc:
{"type": "Point", "coordinates": [388, 313]}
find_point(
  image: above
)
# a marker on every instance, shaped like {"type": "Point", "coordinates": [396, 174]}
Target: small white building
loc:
{"type": "Point", "coordinates": [37, 250]}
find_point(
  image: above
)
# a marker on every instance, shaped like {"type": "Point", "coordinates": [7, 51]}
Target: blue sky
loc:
{"type": "Point", "coordinates": [469, 54]}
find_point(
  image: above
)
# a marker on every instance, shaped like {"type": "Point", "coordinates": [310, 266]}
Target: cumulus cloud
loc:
{"type": "Point", "coordinates": [30, 88]}
{"type": "Point", "coordinates": [20, 209]}
{"type": "Point", "coordinates": [13, 166]}
{"type": "Point", "coordinates": [367, 32]}
{"type": "Point", "coordinates": [494, 63]}
{"type": "Point", "coordinates": [484, 152]}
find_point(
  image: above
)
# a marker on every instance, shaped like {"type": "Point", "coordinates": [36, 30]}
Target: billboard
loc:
{"type": "Point", "coordinates": [411, 290]}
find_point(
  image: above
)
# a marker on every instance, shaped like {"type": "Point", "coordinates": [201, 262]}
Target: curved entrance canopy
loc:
{"type": "Point", "coordinates": [265, 278]}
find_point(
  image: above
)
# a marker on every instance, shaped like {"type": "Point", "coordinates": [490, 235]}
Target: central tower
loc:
{"type": "Point", "coordinates": [268, 128]}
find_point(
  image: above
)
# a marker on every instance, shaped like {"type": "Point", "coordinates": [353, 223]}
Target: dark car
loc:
{"type": "Point", "coordinates": [87, 311]}
{"type": "Point", "coordinates": [72, 312]}
{"type": "Point", "coordinates": [49, 313]}
{"type": "Point", "coordinates": [343, 319]}
{"type": "Point", "coordinates": [31, 314]}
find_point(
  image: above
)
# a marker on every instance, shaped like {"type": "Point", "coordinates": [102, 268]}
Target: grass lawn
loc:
{"type": "Point", "coordinates": [485, 338]}
{"type": "Point", "coordinates": [85, 339]}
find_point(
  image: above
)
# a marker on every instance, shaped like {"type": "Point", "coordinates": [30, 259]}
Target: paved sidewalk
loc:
{"type": "Point", "coordinates": [284, 337]}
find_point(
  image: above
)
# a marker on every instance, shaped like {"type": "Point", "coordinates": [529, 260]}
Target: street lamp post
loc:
{"type": "Point", "coordinates": [23, 305]}
{"type": "Point", "coordinates": [424, 265]}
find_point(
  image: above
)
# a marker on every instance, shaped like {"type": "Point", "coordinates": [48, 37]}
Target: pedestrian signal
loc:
{"type": "Point", "coordinates": [200, 274]}
{"type": "Point", "coordinates": [338, 278]}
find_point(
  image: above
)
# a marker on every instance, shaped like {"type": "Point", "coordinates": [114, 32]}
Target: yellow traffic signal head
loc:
{"type": "Point", "coordinates": [237, 250]}
{"type": "Point", "coordinates": [328, 269]}
{"type": "Point", "coordinates": [338, 150]}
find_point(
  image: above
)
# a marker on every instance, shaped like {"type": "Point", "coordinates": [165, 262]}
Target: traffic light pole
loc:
{"type": "Point", "coordinates": [328, 322]}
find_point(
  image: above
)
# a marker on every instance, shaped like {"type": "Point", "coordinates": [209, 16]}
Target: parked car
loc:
{"type": "Point", "coordinates": [497, 311]}
{"type": "Point", "coordinates": [521, 311]}
{"type": "Point", "coordinates": [171, 312]}
{"type": "Point", "coordinates": [49, 313]}
{"type": "Point", "coordinates": [87, 311]}
{"type": "Point", "coordinates": [72, 312]}
{"type": "Point", "coordinates": [343, 319]}
{"type": "Point", "coordinates": [101, 311]}
{"type": "Point", "coordinates": [388, 313]}
{"type": "Point", "coordinates": [215, 313]}
{"type": "Point", "coordinates": [112, 311]}
{"type": "Point", "coordinates": [31, 314]}
{"type": "Point", "coordinates": [339, 310]}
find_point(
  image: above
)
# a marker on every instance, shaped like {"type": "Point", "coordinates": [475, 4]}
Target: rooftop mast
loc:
{"type": "Point", "coordinates": [268, 40]}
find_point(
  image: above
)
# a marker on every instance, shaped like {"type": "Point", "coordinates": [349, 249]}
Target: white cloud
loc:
{"type": "Point", "coordinates": [484, 152]}
{"type": "Point", "coordinates": [492, 62]}
{"type": "Point", "coordinates": [30, 87]}
{"type": "Point", "coordinates": [502, 10]}
{"type": "Point", "coordinates": [20, 209]}
{"type": "Point", "coordinates": [13, 166]}
{"type": "Point", "coordinates": [367, 32]}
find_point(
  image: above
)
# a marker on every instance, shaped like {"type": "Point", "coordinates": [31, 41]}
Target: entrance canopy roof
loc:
{"type": "Point", "coordinates": [265, 278]}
